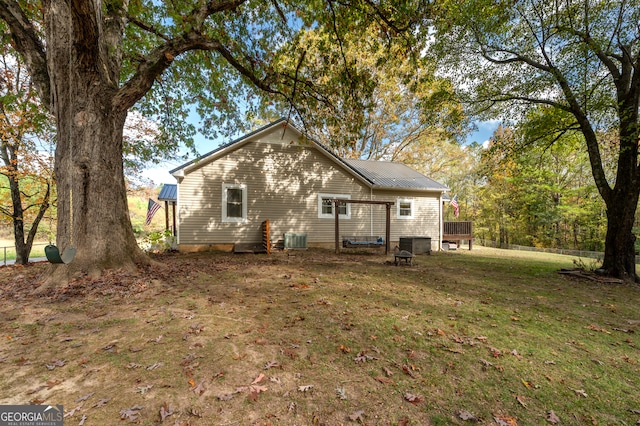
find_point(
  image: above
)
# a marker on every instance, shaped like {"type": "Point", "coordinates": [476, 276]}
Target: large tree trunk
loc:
{"type": "Point", "coordinates": [619, 250]}
{"type": "Point", "coordinates": [93, 215]}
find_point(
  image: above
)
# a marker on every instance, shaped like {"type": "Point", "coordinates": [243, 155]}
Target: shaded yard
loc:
{"type": "Point", "coordinates": [315, 338]}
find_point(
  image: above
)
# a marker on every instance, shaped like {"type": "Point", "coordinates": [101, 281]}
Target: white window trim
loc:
{"type": "Point", "coordinates": [332, 215]}
{"type": "Point", "coordinates": [405, 200]}
{"type": "Point", "coordinates": [225, 218]}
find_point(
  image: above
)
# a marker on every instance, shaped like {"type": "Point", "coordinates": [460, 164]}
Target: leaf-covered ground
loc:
{"type": "Point", "coordinates": [309, 338]}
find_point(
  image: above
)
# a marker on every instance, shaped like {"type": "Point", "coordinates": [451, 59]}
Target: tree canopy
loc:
{"type": "Point", "coordinates": [581, 58]}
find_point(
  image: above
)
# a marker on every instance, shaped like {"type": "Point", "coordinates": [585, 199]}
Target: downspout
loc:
{"type": "Point", "coordinates": [371, 211]}
{"type": "Point", "coordinates": [176, 212]}
{"type": "Point", "coordinates": [441, 223]}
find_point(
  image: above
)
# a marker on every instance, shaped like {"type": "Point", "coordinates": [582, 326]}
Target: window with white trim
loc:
{"type": "Point", "coordinates": [234, 202]}
{"type": "Point", "coordinates": [405, 208]}
{"type": "Point", "coordinates": [325, 206]}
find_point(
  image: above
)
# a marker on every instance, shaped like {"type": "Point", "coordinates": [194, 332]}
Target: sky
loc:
{"type": "Point", "coordinates": [160, 174]}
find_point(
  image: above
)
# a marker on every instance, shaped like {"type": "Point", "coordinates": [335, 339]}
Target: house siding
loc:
{"type": "Point", "coordinates": [283, 175]}
{"type": "Point", "coordinates": [283, 180]}
{"type": "Point", "coordinates": [426, 214]}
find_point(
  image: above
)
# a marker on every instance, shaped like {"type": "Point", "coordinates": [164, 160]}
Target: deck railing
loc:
{"type": "Point", "coordinates": [463, 228]}
{"type": "Point", "coordinates": [457, 231]}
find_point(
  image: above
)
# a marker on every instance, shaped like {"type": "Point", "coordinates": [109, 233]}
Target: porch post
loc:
{"type": "Point", "coordinates": [337, 221]}
{"type": "Point", "coordinates": [388, 230]}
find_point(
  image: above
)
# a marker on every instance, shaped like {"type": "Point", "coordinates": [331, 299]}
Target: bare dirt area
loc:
{"type": "Point", "coordinates": [311, 337]}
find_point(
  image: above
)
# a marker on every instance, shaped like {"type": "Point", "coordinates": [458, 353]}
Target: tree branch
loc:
{"type": "Point", "coordinates": [162, 57]}
{"type": "Point", "coordinates": [29, 45]}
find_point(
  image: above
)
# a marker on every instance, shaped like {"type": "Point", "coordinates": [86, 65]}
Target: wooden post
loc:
{"type": "Point", "coordinates": [388, 230]}
{"type": "Point", "coordinates": [173, 204]}
{"type": "Point", "coordinates": [337, 220]}
{"type": "Point", "coordinates": [166, 215]}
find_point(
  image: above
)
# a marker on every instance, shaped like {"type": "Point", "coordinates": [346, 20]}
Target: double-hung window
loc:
{"type": "Point", "coordinates": [325, 206]}
{"type": "Point", "coordinates": [405, 208]}
{"type": "Point", "coordinates": [234, 202]}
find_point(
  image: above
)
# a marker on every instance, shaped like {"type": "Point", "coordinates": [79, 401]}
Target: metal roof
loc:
{"type": "Point", "coordinates": [169, 192]}
{"type": "Point", "coordinates": [385, 174]}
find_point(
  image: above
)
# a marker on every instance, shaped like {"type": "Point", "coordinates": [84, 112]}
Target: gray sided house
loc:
{"type": "Point", "coordinates": [277, 174]}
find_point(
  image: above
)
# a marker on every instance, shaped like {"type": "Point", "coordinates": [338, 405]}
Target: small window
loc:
{"type": "Point", "coordinates": [234, 203]}
{"type": "Point", "coordinates": [405, 208]}
{"type": "Point", "coordinates": [325, 206]}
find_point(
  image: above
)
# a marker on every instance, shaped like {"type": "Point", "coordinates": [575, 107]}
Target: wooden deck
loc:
{"type": "Point", "coordinates": [458, 231]}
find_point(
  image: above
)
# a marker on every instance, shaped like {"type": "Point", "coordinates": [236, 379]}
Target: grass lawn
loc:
{"type": "Point", "coordinates": [304, 338]}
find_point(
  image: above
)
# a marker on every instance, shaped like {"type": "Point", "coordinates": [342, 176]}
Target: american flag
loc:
{"type": "Point", "coordinates": [151, 210]}
{"type": "Point", "coordinates": [456, 207]}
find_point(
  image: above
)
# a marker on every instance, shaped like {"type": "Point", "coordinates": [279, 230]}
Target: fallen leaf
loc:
{"type": "Point", "coordinates": [85, 397]}
{"type": "Point", "coordinates": [552, 418]}
{"type": "Point", "coordinates": [258, 379]}
{"type": "Point", "coordinates": [272, 364]}
{"type": "Point", "coordinates": [384, 380]}
{"type": "Point", "coordinates": [414, 399]}
{"type": "Point", "coordinates": [257, 389]}
{"type": "Point", "coordinates": [357, 416]}
{"type": "Point", "coordinates": [505, 421]}
{"type": "Point", "coordinates": [363, 357]}
{"type": "Point", "coordinates": [71, 412]}
{"type": "Point", "coordinates": [580, 392]}
{"type": "Point", "coordinates": [165, 411]}
{"type": "Point", "coordinates": [291, 353]}
{"type": "Point", "coordinates": [343, 349]}
{"type": "Point", "coordinates": [82, 420]}
{"type": "Point", "coordinates": [597, 328]}
{"type": "Point", "coordinates": [485, 364]}
{"type": "Point", "coordinates": [154, 366]}
{"type": "Point", "coordinates": [36, 390]}
{"type": "Point", "coordinates": [305, 388]}
{"type": "Point", "coordinates": [55, 363]}
{"type": "Point", "coordinates": [199, 389]}
{"type": "Point", "coordinates": [521, 400]}
{"type": "Point", "coordinates": [143, 389]}
{"type": "Point", "coordinates": [409, 370]}
{"type": "Point", "coordinates": [403, 421]}
{"type": "Point", "coordinates": [101, 403]}
{"type": "Point", "coordinates": [131, 414]}
{"type": "Point", "coordinates": [466, 416]}
{"type": "Point", "coordinates": [342, 393]}
{"type": "Point", "coordinates": [226, 397]}
{"type": "Point", "coordinates": [52, 383]}
{"type": "Point", "coordinates": [387, 371]}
